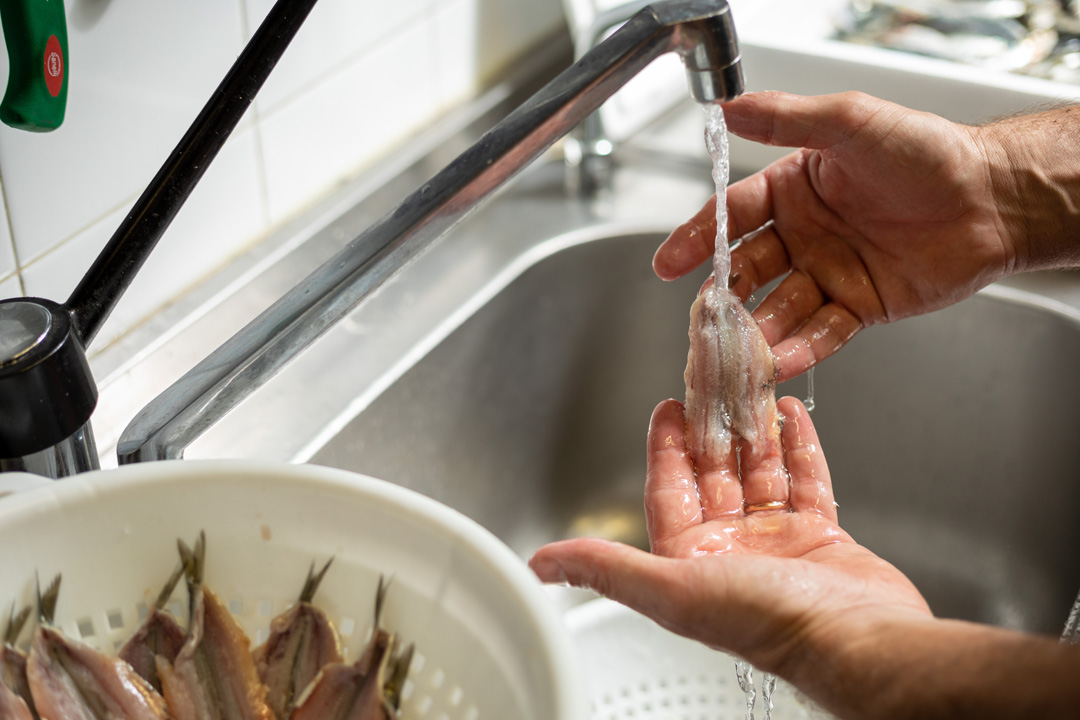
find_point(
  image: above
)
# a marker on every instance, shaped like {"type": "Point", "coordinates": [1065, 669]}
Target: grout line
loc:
{"type": "Point", "coordinates": [11, 236]}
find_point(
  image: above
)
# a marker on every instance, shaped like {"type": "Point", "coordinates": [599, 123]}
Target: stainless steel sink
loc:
{"type": "Point", "coordinates": [510, 372]}
{"type": "Point", "coordinates": [952, 438]}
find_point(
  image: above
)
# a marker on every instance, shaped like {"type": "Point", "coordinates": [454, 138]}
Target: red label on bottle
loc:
{"type": "Point", "coordinates": [54, 66]}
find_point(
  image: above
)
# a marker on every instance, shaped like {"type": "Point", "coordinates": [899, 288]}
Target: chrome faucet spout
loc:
{"type": "Point", "coordinates": [710, 52]}
{"type": "Point", "coordinates": [701, 31]}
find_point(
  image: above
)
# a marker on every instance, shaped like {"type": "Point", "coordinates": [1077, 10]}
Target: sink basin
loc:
{"type": "Point", "coordinates": [951, 437]}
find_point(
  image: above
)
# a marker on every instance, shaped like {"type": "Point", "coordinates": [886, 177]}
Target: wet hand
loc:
{"type": "Point", "coordinates": [882, 213]}
{"type": "Point", "coordinates": [768, 580]}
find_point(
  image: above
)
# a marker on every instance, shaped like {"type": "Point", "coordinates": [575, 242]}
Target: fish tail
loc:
{"type": "Point", "coordinates": [311, 585]}
{"type": "Point", "coordinates": [47, 600]}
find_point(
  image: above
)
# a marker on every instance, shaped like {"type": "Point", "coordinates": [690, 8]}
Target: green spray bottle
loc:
{"type": "Point", "coordinates": [37, 45]}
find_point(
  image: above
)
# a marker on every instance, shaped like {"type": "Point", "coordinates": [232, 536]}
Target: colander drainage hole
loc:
{"type": "Point", "coordinates": [115, 619]}
{"type": "Point", "coordinates": [86, 627]}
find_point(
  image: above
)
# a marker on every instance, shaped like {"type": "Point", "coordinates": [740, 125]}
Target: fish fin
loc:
{"type": "Point", "coordinates": [170, 585]}
{"type": "Point", "coordinates": [399, 671]}
{"type": "Point", "coordinates": [47, 600]}
{"type": "Point", "coordinates": [193, 561]}
{"type": "Point", "coordinates": [15, 624]}
{"type": "Point", "coordinates": [311, 585]}
{"type": "Point", "coordinates": [380, 598]}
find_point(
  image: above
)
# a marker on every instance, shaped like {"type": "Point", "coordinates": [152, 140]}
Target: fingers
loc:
{"type": "Point", "coordinates": [693, 242]}
{"type": "Point", "coordinates": [827, 330]}
{"type": "Point", "coordinates": [689, 245]}
{"type": "Point", "coordinates": [811, 484]}
{"type": "Point", "coordinates": [788, 307]}
{"type": "Point", "coordinates": [757, 261]}
{"type": "Point", "coordinates": [671, 493]}
{"type": "Point", "coordinates": [676, 495]}
{"type": "Point", "coordinates": [765, 479]}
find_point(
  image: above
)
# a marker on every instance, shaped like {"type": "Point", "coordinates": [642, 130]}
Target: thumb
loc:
{"type": "Point", "coordinates": [776, 118]}
{"type": "Point", "coordinates": [633, 577]}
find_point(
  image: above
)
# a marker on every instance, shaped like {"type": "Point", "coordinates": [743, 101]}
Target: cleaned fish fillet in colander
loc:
{"type": "Point", "coordinates": [301, 643]}
{"type": "Point", "coordinates": [72, 681]}
{"type": "Point", "coordinates": [369, 689]}
{"type": "Point", "coordinates": [15, 699]}
{"type": "Point", "coordinates": [160, 635]}
{"type": "Point", "coordinates": [214, 674]}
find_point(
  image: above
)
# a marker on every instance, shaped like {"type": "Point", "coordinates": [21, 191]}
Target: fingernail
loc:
{"type": "Point", "coordinates": [549, 570]}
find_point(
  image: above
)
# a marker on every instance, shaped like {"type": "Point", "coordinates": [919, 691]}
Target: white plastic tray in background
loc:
{"type": "Point", "coordinates": [490, 644]}
{"type": "Point", "coordinates": [636, 670]}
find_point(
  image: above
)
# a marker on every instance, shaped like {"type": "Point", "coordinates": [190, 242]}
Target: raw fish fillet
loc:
{"type": "Point", "coordinates": [73, 681]}
{"type": "Point", "coordinates": [302, 641]}
{"type": "Point", "coordinates": [159, 634]}
{"type": "Point", "coordinates": [214, 674]}
{"type": "Point", "coordinates": [369, 689]}
{"type": "Point", "coordinates": [13, 707]}
{"type": "Point", "coordinates": [730, 381]}
{"type": "Point", "coordinates": [730, 372]}
{"type": "Point", "coordinates": [15, 696]}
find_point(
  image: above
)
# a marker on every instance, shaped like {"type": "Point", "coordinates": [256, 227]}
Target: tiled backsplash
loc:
{"type": "Point", "coordinates": [360, 78]}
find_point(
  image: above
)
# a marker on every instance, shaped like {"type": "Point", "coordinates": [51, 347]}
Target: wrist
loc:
{"type": "Point", "coordinates": [1033, 164]}
{"type": "Point", "coordinates": [908, 665]}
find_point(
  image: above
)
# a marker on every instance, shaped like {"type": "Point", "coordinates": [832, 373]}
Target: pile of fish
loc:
{"type": "Point", "coordinates": [207, 672]}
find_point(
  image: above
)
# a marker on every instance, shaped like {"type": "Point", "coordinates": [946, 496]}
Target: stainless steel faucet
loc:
{"type": "Point", "coordinates": [700, 31]}
{"type": "Point", "coordinates": [588, 149]}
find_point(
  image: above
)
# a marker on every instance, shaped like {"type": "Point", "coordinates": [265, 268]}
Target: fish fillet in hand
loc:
{"type": "Point", "coordinates": [730, 382]}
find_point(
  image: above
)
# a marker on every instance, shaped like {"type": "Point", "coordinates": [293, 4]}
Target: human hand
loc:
{"type": "Point", "coordinates": [772, 585]}
{"type": "Point", "coordinates": [883, 213]}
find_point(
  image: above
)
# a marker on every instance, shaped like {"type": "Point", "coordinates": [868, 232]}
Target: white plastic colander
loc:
{"type": "Point", "coordinates": [489, 643]}
{"type": "Point", "coordinates": [636, 670]}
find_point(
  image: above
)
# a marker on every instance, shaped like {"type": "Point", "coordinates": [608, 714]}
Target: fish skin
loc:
{"type": "Point", "coordinates": [351, 692]}
{"type": "Point", "coordinates": [13, 707]}
{"type": "Point", "coordinates": [159, 635]}
{"type": "Point", "coordinates": [214, 675]}
{"type": "Point", "coordinates": [14, 683]}
{"type": "Point", "coordinates": [72, 681]}
{"type": "Point", "coordinates": [302, 642]}
{"type": "Point", "coordinates": [730, 381]}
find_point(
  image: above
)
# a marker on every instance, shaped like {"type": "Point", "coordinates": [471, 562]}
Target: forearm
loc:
{"type": "Point", "coordinates": [1034, 165]}
{"type": "Point", "coordinates": [927, 668]}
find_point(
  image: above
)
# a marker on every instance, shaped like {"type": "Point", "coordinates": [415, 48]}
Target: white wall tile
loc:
{"type": "Point", "coordinates": [335, 33]}
{"type": "Point", "coordinates": [455, 62]}
{"type": "Point", "coordinates": [507, 27]}
{"type": "Point", "coordinates": [361, 76]}
{"type": "Point", "coordinates": [222, 215]}
{"type": "Point", "coordinates": [343, 123]}
{"type": "Point", "coordinates": [139, 73]}
{"type": "Point", "coordinates": [9, 288]}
